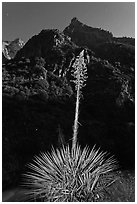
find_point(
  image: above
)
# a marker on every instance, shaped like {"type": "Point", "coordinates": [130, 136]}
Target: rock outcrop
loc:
{"type": "Point", "coordinates": [84, 35]}
{"type": "Point", "coordinates": [103, 43]}
{"type": "Point", "coordinates": [9, 49]}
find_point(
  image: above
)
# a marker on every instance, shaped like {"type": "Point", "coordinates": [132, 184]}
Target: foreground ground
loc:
{"type": "Point", "coordinates": [122, 191]}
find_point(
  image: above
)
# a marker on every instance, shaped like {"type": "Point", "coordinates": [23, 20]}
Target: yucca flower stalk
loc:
{"type": "Point", "coordinates": [80, 75]}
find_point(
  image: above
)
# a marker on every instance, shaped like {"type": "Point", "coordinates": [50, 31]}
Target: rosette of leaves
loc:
{"type": "Point", "coordinates": [69, 176]}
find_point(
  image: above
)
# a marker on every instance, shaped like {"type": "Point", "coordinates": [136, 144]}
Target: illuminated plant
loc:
{"type": "Point", "coordinates": [63, 176]}
{"type": "Point", "coordinates": [80, 75]}
{"type": "Point", "coordinates": [71, 174]}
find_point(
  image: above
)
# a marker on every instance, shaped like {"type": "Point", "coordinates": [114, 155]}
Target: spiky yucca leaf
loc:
{"type": "Point", "coordinates": [69, 176]}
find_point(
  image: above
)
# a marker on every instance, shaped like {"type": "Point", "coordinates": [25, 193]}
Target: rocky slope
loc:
{"type": "Point", "coordinates": [39, 97]}
{"type": "Point", "coordinates": [54, 47]}
{"type": "Point", "coordinates": [102, 42]}
{"type": "Point", "coordinates": [125, 40]}
{"type": "Point", "coordinates": [9, 49]}
{"type": "Point", "coordinates": [84, 35]}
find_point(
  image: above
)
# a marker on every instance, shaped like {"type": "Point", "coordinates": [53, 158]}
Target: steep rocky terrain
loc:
{"type": "Point", "coordinates": [39, 97]}
{"type": "Point", "coordinates": [5, 54]}
{"type": "Point", "coordinates": [84, 35]}
{"type": "Point", "coordinates": [125, 40]}
{"type": "Point", "coordinates": [9, 49]}
{"type": "Point", "coordinates": [119, 53]}
{"type": "Point", "coordinates": [102, 42]}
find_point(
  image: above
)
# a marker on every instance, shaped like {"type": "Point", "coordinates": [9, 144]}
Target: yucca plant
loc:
{"type": "Point", "coordinates": [71, 174]}
{"type": "Point", "coordinates": [65, 176]}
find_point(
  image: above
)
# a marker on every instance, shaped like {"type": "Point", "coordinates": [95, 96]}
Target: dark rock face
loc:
{"type": "Point", "coordinates": [108, 108]}
{"type": "Point", "coordinates": [9, 49]}
{"type": "Point", "coordinates": [54, 47]}
{"type": "Point", "coordinates": [84, 35]}
{"type": "Point", "coordinates": [39, 97]}
{"type": "Point", "coordinates": [102, 43]}
{"type": "Point", "coordinates": [125, 40]}
{"type": "Point", "coordinates": [117, 52]}
{"type": "Point", "coordinates": [47, 40]}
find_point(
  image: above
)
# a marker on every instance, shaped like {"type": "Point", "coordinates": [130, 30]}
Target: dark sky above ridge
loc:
{"type": "Point", "coordinates": [26, 19]}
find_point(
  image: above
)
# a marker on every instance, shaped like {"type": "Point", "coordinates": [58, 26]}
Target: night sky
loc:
{"type": "Point", "coordinates": [26, 19]}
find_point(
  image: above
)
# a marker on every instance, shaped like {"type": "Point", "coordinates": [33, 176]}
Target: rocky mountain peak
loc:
{"type": "Point", "coordinates": [56, 37]}
{"type": "Point", "coordinates": [75, 21]}
{"type": "Point", "coordinates": [84, 35]}
{"type": "Point", "coordinates": [74, 24]}
{"type": "Point", "coordinates": [10, 48]}
{"type": "Point", "coordinates": [47, 41]}
{"type": "Point", "coordinates": [19, 42]}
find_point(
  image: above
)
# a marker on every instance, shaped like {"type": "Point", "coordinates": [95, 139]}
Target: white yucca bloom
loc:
{"type": "Point", "coordinates": [80, 75]}
{"type": "Point", "coordinates": [80, 71]}
{"type": "Point", "coordinates": [69, 176]}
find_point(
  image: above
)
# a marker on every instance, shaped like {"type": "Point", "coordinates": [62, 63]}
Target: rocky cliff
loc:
{"type": "Point", "coordinates": [102, 42]}
{"type": "Point", "coordinates": [84, 35]}
{"type": "Point", "coordinates": [9, 49]}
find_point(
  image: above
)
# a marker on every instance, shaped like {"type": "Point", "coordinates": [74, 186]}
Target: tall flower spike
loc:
{"type": "Point", "coordinates": [80, 75]}
{"type": "Point", "coordinates": [80, 71]}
